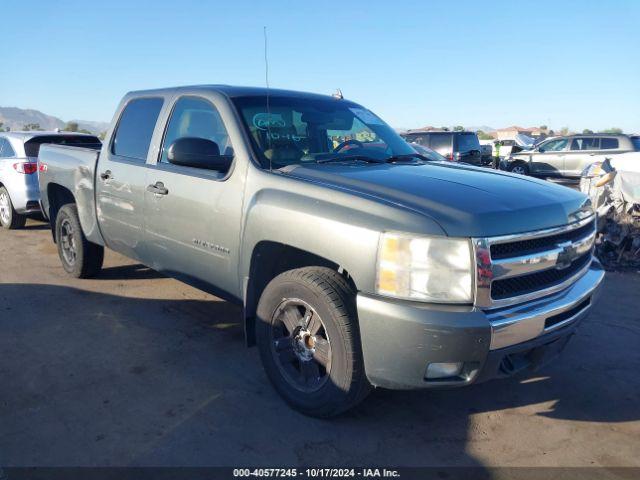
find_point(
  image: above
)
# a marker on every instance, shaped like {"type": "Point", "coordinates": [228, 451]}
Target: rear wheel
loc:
{"type": "Point", "coordinates": [520, 168]}
{"type": "Point", "coordinates": [80, 258]}
{"type": "Point", "coordinates": [9, 218]}
{"type": "Point", "coordinates": [309, 341]}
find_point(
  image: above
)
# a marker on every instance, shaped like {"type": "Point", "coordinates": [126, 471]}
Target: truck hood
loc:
{"type": "Point", "coordinates": [464, 201]}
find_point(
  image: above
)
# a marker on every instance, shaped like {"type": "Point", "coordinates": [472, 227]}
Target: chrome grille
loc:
{"type": "Point", "coordinates": [522, 247]}
{"type": "Point", "coordinates": [517, 268]}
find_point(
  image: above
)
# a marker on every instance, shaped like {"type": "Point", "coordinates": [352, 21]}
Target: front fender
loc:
{"type": "Point", "coordinates": [342, 228]}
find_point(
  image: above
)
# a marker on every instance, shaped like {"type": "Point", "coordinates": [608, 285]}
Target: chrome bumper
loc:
{"type": "Point", "coordinates": [510, 326]}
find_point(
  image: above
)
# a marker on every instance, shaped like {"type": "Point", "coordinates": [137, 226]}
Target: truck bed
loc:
{"type": "Point", "coordinates": [64, 170]}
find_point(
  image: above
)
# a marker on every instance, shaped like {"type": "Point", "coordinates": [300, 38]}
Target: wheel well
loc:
{"type": "Point", "coordinates": [270, 259]}
{"type": "Point", "coordinates": [58, 196]}
{"type": "Point", "coordinates": [520, 162]}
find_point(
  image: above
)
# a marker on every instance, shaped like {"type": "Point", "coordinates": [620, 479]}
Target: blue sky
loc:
{"type": "Point", "coordinates": [415, 63]}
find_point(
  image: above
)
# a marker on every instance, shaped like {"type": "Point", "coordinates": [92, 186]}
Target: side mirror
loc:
{"type": "Point", "coordinates": [198, 153]}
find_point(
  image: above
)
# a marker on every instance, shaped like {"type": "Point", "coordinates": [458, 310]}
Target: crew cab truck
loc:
{"type": "Point", "coordinates": [359, 262]}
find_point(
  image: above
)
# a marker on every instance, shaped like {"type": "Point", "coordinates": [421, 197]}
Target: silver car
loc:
{"type": "Point", "coordinates": [19, 192]}
{"type": "Point", "coordinates": [567, 156]}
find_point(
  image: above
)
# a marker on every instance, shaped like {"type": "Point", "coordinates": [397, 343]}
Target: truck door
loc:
{"type": "Point", "coordinates": [549, 158]}
{"type": "Point", "coordinates": [583, 151]}
{"type": "Point", "coordinates": [121, 177]}
{"type": "Point", "coordinates": [192, 226]}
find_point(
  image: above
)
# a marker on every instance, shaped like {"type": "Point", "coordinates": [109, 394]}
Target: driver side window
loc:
{"type": "Point", "coordinates": [555, 145]}
{"type": "Point", "coordinates": [196, 117]}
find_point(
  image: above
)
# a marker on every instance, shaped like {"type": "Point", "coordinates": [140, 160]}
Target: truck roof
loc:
{"type": "Point", "coordinates": [232, 91]}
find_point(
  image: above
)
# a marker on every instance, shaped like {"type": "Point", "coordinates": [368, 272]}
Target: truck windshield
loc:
{"type": "Point", "coordinates": [295, 130]}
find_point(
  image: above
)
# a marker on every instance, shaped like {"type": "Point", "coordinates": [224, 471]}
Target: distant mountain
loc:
{"type": "Point", "coordinates": [16, 118]}
{"type": "Point", "coordinates": [484, 128]}
{"type": "Point", "coordinates": [92, 126]}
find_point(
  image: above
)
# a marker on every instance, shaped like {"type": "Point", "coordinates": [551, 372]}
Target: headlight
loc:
{"type": "Point", "coordinates": [431, 269]}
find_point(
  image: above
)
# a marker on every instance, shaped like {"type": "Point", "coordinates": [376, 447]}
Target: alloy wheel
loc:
{"type": "Point", "coordinates": [300, 345]}
{"type": "Point", "coordinates": [5, 208]}
{"type": "Point", "coordinates": [68, 242]}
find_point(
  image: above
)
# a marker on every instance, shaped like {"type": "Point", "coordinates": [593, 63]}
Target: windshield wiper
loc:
{"type": "Point", "coordinates": [347, 158]}
{"type": "Point", "coordinates": [407, 156]}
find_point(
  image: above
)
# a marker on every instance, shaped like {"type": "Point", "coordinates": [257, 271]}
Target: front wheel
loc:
{"type": "Point", "coordinates": [9, 218]}
{"type": "Point", "coordinates": [80, 258]}
{"type": "Point", "coordinates": [519, 168]}
{"type": "Point", "coordinates": [309, 341]}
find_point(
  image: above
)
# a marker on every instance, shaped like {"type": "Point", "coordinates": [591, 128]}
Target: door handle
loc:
{"type": "Point", "coordinates": [158, 189]}
{"type": "Point", "coordinates": [105, 175]}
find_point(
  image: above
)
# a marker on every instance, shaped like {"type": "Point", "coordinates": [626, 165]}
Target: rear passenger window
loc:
{"type": "Point", "coordinates": [589, 143]}
{"type": "Point", "coordinates": [135, 128]}
{"type": "Point", "coordinates": [609, 143]}
{"type": "Point", "coordinates": [6, 150]}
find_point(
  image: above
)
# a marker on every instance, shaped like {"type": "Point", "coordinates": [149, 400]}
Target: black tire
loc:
{"type": "Point", "coordinates": [9, 218]}
{"type": "Point", "coordinates": [332, 301]}
{"type": "Point", "coordinates": [80, 258]}
{"type": "Point", "coordinates": [519, 167]}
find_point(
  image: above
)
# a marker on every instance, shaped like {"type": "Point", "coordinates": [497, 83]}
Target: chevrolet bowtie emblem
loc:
{"type": "Point", "coordinates": [567, 255]}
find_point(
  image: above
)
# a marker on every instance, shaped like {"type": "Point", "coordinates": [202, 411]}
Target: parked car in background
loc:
{"type": "Point", "coordinates": [457, 146]}
{"type": "Point", "coordinates": [486, 151]}
{"type": "Point", "coordinates": [509, 146]}
{"type": "Point", "coordinates": [19, 193]}
{"type": "Point", "coordinates": [568, 156]}
{"type": "Point", "coordinates": [427, 152]}
{"type": "Point", "coordinates": [354, 267]}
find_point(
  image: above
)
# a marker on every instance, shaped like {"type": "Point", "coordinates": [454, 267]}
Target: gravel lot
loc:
{"type": "Point", "coordinates": [136, 369]}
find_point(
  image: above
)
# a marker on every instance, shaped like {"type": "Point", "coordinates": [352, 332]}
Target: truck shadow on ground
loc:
{"type": "Point", "coordinates": [97, 379]}
{"type": "Point", "coordinates": [128, 272]}
{"type": "Point", "coordinates": [31, 226]}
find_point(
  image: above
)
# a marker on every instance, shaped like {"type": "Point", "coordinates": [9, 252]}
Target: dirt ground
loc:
{"type": "Point", "coordinates": [133, 368]}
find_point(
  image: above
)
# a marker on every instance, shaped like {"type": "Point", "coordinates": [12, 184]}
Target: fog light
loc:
{"type": "Point", "coordinates": [443, 370]}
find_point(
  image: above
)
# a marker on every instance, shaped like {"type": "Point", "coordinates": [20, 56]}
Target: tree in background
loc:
{"type": "Point", "coordinates": [544, 128]}
{"type": "Point", "coordinates": [71, 127]}
{"type": "Point", "coordinates": [444, 129]}
{"type": "Point", "coordinates": [564, 131]}
{"type": "Point", "coordinates": [2, 127]}
{"type": "Point", "coordinates": [31, 126]}
{"type": "Point", "coordinates": [482, 135]}
{"type": "Point", "coordinates": [613, 130]}
{"type": "Point", "coordinates": [586, 131]}
{"type": "Point", "coordinates": [102, 135]}
{"type": "Point", "coordinates": [458, 128]}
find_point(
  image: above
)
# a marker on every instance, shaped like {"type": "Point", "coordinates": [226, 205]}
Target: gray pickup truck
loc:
{"type": "Point", "coordinates": [359, 262]}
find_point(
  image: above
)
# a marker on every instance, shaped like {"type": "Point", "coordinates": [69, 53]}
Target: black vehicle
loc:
{"type": "Point", "coordinates": [456, 146]}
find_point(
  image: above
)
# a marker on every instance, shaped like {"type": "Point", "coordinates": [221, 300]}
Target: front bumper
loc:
{"type": "Point", "coordinates": [401, 338]}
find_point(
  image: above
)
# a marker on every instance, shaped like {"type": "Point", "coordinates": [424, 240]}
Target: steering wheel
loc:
{"type": "Point", "coordinates": [348, 142]}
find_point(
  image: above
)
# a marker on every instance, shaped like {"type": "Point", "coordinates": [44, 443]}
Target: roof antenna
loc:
{"type": "Point", "coordinates": [338, 94]}
{"type": "Point", "coordinates": [266, 79]}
